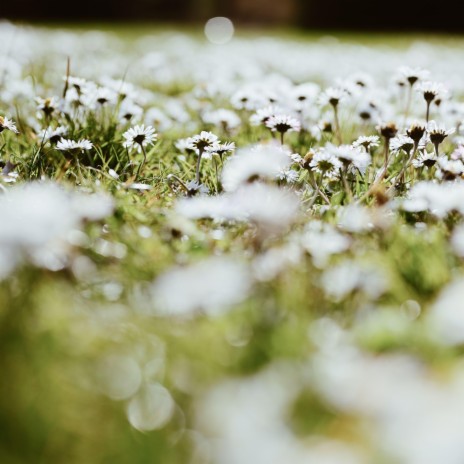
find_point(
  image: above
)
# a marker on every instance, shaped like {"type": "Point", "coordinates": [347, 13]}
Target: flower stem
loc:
{"type": "Point", "coordinates": [408, 103]}
{"type": "Point", "coordinates": [143, 162]}
{"type": "Point", "coordinates": [427, 113]}
{"type": "Point", "coordinates": [337, 125]}
{"type": "Point", "coordinates": [198, 174]}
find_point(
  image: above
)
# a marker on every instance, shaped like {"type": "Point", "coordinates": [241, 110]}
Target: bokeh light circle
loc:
{"type": "Point", "coordinates": [219, 30]}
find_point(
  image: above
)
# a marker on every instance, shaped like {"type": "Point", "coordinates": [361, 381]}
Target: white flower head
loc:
{"type": "Point", "coordinates": [212, 285]}
{"type": "Point", "coordinates": [432, 90]}
{"type": "Point", "coordinates": [259, 162]}
{"type": "Point", "coordinates": [326, 164]}
{"type": "Point", "coordinates": [222, 149]}
{"type": "Point", "coordinates": [7, 124]}
{"type": "Point", "coordinates": [401, 143]}
{"type": "Point", "coordinates": [74, 146]}
{"type": "Point", "coordinates": [53, 135]}
{"type": "Point", "coordinates": [283, 123]}
{"type": "Point", "coordinates": [438, 132]}
{"type": "Point", "coordinates": [413, 75]}
{"type": "Point", "coordinates": [263, 114]}
{"type": "Point", "coordinates": [222, 118]}
{"type": "Point", "coordinates": [425, 159]}
{"type": "Point", "coordinates": [333, 96]}
{"type": "Point", "coordinates": [203, 141]}
{"type": "Point", "coordinates": [350, 156]}
{"type": "Point", "coordinates": [139, 136]}
{"type": "Point", "coordinates": [367, 141]}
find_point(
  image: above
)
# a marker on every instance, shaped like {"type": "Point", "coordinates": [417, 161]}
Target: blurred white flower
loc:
{"type": "Point", "coordinates": [37, 219]}
{"type": "Point", "coordinates": [7, 124]}
{"type": "Point", "coordinates": [446, 316]}
{"type": "Point", "coordinates": [212, 285]}
{"type": "Point", "coordinates": [322, 241]}
{"type": "Point", "coordinates": [259, 162]}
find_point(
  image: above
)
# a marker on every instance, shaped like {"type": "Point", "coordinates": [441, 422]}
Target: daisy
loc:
{"type": "Point", "coordinates": [222, 149]}
{"type": "Point", "coordinates": [158, 118]}
{"type": "Point", "coordinates": [78, 83]}
{"type": "Point", "coordinates": [288, 175]}
{"type": "Point", "coordinates": [413, 75]}
{"type": "Point", "coordinates": [139, 137]}
{"type": "Point", "coordinates": [283, 123]}
{"type": "Point", "coordinates": [350, 156]}
{"type": "Point", "coordinates": [438, 133]}
{"type": "Point", "coordinates": [367, 141]}
{"type": "Point", "coordinates": [401, 142]}
{"type": "Point", "coordinates": [449, 169]}
{"type": "Point", "coordinates": [47, 105]}
{"type": "Point", "coordinates": [184, 145]}
{"type": "Point", "coordinates": [7, 124]}
{"type": "Point", "coordinates": [416, 131]}
{"type": "Point", "coordinates": [332, 96]}
{"type": "Point", "coordinates": [326, 164]}
{"type": "Point", "coordinates": [130, 111]}
{"type": "Point", "coordinates": [74, 147]}
{"type": "Point", "coordinates": [305, 93]}
{"type": "Point", "coordinates": [202, 142]}
{"type": "Point", "coordinates": [425, 158]}
{"type": "Point", "coordinates": [262, 115]}
{"type": "Point", "coordinates": [251, 164]}
{"type": "Point", "coordinates": [105, 95]}
{"type": "Point", "coordinates": [53, 135]}
{"type": "Point", "coordinates": [387, 130]}
{"type": "Point", "coordinates": [222, 118]}
{"type": "Point", "coordinates": [431, 91]}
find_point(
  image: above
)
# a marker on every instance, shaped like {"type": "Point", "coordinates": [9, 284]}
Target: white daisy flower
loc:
{"type": "Point", "coordinates": [201, 143]}
{"type": "Point", "coordinates": [262, 162]}
{"type": "Point", "coordinates": [105, 95]}
{"type": "Point", "coordinates": [425, 159]}
{"type": "Point", "coordinates": [262, 115]}
{"type": "Point", "coordinates": [222, 118]}
{"type": "Point", "coordinates": [326, 164]}
{"type": "Point", "coordinates": [53, 135]}
{"type": "Point", "coordinates": [47, 105]}
{"type": "Point", "coordinates": [367, 141]}
{"type": "Point", "coordinates": [401, 143]}
{"type": "Point", "coordinates": [139, 136]}
{"type": "Point", "coordinates": [204, 140]}
{"type": "Point", "coordinates": [432, 90]}
{"type": "Point", "coordinates": [283, 123]}
{"type": "Point", "coordinates": [332, 96]}
{"type": "Point", "coordinates": [413, 75]}
{"type": "Point", "coordinates": [438, 133]}
{"type": "Point", "coordinates": [416, 131]}
{"type": "Point", "coordinates": [449, 169]}
{"type": "Point", "coordinates": [73, 146]}
{"type": "Point", "coordinates": [350, 156]}
{"type": "Point", "coordinates": [7, 124]}
{"type": "Point", "coordinates": [222, 149]}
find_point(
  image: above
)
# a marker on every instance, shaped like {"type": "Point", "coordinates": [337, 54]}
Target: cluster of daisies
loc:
{"type": "Point", "coordinates": [259, 260]}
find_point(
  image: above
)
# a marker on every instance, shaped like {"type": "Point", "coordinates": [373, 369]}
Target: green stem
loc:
{"type": "Point", "coordinates": [198, 174]}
